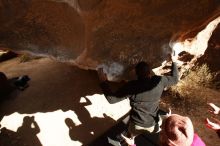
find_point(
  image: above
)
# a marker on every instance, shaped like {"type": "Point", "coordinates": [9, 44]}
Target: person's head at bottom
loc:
{"type": "Point", "coordinates": [176, 130]}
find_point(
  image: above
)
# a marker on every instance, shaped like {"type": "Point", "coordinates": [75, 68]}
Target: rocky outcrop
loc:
{"type": "Point", "coordinates": [212, 54]}
{"type": "Point", "coordinates": [42, 27]}
{"type": "Point", "coordinates": [115, 33]}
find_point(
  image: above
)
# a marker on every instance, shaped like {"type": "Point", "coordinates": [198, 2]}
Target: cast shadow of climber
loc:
{"type": "Point", "coordinates": [90, 127]}
{"type": "Point", "coordinates": [84, 133]}
{"type": "Point", "coordinates": [28, 132]}
{"type": "Point", "coordinates": [82, 113]}
{"type": "Point", "coordinates": [87, 121]}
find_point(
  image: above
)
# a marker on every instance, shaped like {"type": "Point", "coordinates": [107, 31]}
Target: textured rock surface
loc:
{"type": "Point", "coordinates": [212, 54]}
{"type": "Point", "coordinates": [43, 27]}
{"type": "Point", "coordinates": [94, 32]}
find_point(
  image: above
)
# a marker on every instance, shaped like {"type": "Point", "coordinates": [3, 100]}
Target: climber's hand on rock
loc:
{"type": "Point", "coordinates": [169, 58]}
{"type": "Point", "coordinates": [102, 75]}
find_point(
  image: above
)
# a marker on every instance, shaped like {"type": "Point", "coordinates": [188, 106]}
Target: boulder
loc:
{"type": "Point", "coordinates": [115, 34]}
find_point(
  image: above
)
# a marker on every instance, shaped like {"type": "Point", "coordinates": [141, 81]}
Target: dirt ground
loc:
{"type": "Point", "coordinates": [69, 108]}
{"type": "Point", "coordinates": [66, 103]}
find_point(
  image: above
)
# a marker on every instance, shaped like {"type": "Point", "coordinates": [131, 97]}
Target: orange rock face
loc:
{"type": "Point", "coordinates": [94, 32]}
{"type": "Point", "coordinates": [42, 27]}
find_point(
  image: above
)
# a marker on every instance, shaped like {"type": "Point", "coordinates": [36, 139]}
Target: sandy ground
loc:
{"type": "Point", "coordinates": [68, 107]}
{"type": "Point", "coordinates": [66, 102]}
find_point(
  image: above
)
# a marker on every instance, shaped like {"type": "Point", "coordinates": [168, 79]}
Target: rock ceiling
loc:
{"type": "Point", "coordinates": [113, 33]}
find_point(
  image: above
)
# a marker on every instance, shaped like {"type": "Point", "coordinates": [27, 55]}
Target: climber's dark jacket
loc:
{"type": "Point", "coordinates": [144, 95]}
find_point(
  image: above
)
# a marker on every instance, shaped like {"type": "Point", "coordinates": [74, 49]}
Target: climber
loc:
{"type": "Point", "coordinates": [144, 94]}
